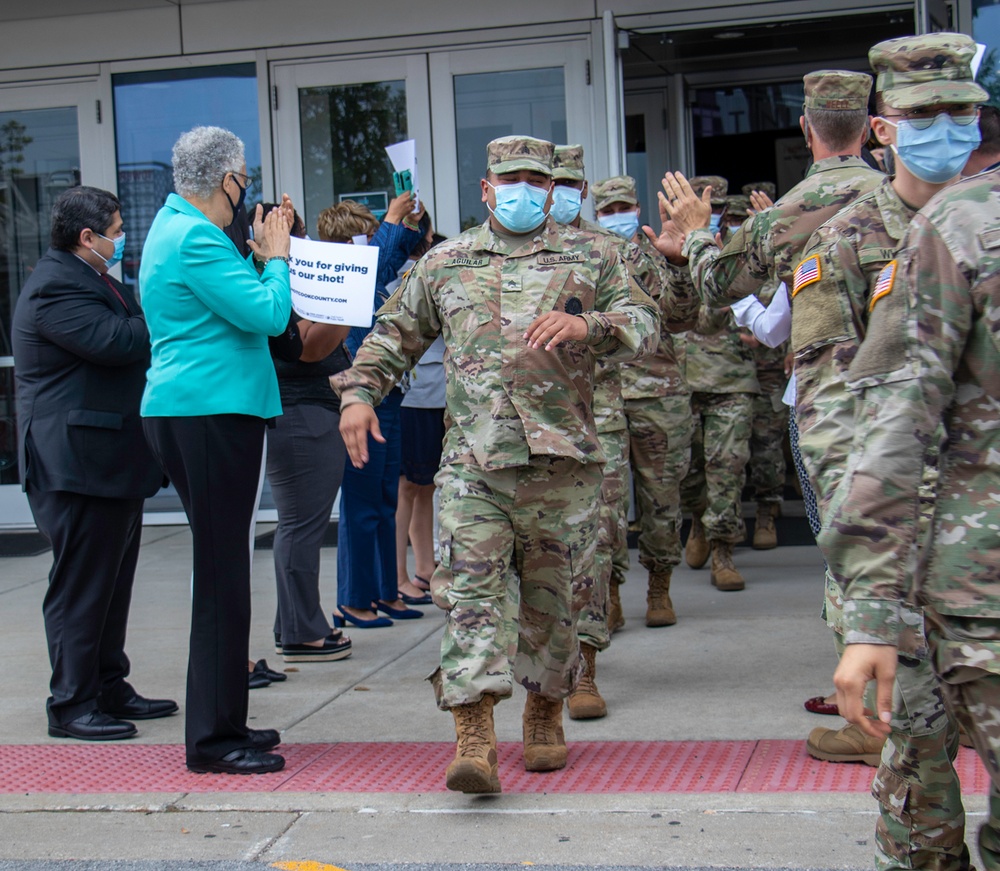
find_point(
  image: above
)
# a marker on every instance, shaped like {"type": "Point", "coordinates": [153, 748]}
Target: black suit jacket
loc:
{"type": "Point", "coordinates": [80, 361]}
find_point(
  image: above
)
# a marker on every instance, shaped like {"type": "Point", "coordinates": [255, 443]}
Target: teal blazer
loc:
{"type": "Point", "coordinates": [209, 316]}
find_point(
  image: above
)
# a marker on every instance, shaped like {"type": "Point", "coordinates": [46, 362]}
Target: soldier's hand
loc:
{"type": "Point", "coordinates": [356, 422]}
{"type": "Point", "coordinates": [684, 207]}
{"type": "Point", "coordinates": [859, 664]}
{"type": "Point", "coordinates": [670, 242]}
{"type": "Point", "coordinates": [554, 328]}
{"type": "Point", "coordinates": [749, 340]}
{"type": "Point", "coordinates": [760, 201]}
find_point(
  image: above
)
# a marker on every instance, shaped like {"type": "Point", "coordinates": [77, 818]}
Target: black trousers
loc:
{"type": "Point", "coordinates": [215, 462]}
{"type": "Point", "coordinates": [95, 547]}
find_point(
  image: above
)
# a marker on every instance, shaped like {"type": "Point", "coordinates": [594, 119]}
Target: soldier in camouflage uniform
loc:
{"type": "Point", "coordinates": [930, 357]}
{"type": "Point", "coordinates": [525, 307]}
{"type": "Point", "coordinates": [849, 265]}
{"type": "Point", "coordinates": [611, 560]}
{"type": "Point", "coordinates": [657, 408]}
{"type": "Point", "coordinates": [719, 369]}
{"type": "Point", "coordinates": [769, 245]}
{"type": "Point", "coordinates": [769, 415]}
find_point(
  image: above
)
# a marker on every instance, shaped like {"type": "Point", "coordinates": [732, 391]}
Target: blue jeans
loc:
{"type": "Point", "coordinates": [366, 542]}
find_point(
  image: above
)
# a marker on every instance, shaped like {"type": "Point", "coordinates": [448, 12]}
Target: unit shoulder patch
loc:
{"type": "Point", "coordinates": [883, 283]}
{"type": "Point", "coordinates": [808, 272]}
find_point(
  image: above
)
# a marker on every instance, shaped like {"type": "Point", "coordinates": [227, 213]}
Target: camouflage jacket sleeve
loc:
{"type": "Point", "coordinates": [405, 327]}
{"type": "Point", "coordinates": [875, 514]}
{"type": "Point", "coordinates": [737, 270]}
{"type": "Point", "coordinates": [626, 322]}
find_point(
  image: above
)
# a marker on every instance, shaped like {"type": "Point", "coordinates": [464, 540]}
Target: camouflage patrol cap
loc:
{"type": "Point", "coordinates": [738, 206]}
{"type": "Point", "coordinates": [765, 187]}
{"type": "Point", "coordinates": [837, 89]}
{"type": "Point", "coordinates": [567, 162]}
{"type": "Point", "coordinates": [511, 153]}
{"type": "Point", "coordinates": [617, 189]}
{"type": "Point", "coordinates": [720, 187]}
{"type": "Point", "coordinates": [920, 70]}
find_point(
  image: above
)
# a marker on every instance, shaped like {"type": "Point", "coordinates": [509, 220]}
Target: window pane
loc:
{"type": "Point", "coordinates": [345, 129]}
{"type": "Point", "coordinates": [489, 105]}
{"type": "Point", "coordinates": [39, 159]}
{"type": "Point", "coordinates": [152, 109]}
{"type": "Point", "coordinates": [986, 29]}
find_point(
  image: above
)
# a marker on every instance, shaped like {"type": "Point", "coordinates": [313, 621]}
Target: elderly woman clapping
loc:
{"type": "Point", "coordinates": [210, 392]}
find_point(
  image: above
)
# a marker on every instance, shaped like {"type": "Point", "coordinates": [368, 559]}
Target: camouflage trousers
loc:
{"type": "Point", "coordinates": [921, 821]}
{"type": "Point", "coordinates": [769, 423]}
{"type": "Point", "coordinates": [611, 560]}
{"type": "Point", "coordinates": [966, 657]}
{"type": "Point", "coordinates": [720, 450]}
{"type": "Point", "coordinates": [517, 561]}
{"type": "Point", "coordinates": [660, 430]}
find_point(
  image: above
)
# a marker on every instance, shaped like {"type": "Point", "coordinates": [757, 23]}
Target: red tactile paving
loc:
{"type": "Point", "coordinates": [594, 767]}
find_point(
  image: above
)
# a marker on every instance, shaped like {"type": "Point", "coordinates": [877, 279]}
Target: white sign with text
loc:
{"type": "Point", "coordinates": [333, 283]}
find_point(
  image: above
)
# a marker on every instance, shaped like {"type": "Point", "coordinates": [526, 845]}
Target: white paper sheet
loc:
{"type": "Point", "coordinates": [404, 156]}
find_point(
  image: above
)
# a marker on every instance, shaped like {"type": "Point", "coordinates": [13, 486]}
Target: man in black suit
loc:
{"type": "Point", "coordinates": [81, 350]}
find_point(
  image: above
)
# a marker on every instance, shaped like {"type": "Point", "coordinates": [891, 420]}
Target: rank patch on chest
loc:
{"type": "Point", "coordinates": [808, 272]}
{"type": "Point", "coordinates": [883, 284]}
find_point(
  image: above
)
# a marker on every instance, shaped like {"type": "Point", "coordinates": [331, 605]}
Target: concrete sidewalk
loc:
{"type": "Point", "coordinates": [736, 667]}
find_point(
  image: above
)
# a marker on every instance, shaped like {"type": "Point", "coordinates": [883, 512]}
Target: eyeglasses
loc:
{"type": "Point", "coordinates": [921, 119]}
{"type": "Point", "coordinates": [246, 178]}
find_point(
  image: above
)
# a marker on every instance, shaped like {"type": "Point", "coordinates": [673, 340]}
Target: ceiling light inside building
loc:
{"type": "Point", "coordinates": [730, 34]}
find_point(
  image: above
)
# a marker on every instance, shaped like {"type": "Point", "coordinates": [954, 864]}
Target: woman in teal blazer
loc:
{"type": "Point", "coordinates": [210, 391]}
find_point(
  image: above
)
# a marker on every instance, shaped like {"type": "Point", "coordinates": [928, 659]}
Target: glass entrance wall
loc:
{"type": "Point", "coordinates": [489, 105]}
{"type": "Point", "coordinates": [39, 159]}
{"type": "Point", "coordinates": [345, 129]}
{"type": "Point", "coordinates": [986, 29]}
{"type": "Point", "coordinates": [152, 109]}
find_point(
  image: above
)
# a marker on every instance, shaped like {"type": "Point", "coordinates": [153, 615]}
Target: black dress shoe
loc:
{"type": "Point", "coordinates": [246, 760]}
{"type": "Point", "coordinates": [94, 726]}
{"type": "Point", "coordinates": [256, 680]}
{"type": "Point", "coordinates": [332, 649]}
{"type": "Point", "coordinates": [261, 667]}
{"type": "Point", "coordinates": [140, 708]}
{"type": "Point", "coordinates": [264, 739]}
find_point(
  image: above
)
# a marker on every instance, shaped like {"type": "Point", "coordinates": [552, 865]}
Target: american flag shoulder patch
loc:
{"type": "Point", "coordinates": [883, 283]}
{"type": "Point", "coordinates": [808, 272]}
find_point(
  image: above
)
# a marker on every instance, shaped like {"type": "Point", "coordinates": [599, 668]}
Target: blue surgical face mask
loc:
{"type": "Point", "coordinates": [566, 203]}
{"type": "Point", "coordinates": [715, 223]}
{"type": "Point", "coordinates": [625, 224]}
{"type": "Point", "coordinates": [119, 243]}
{"type": "Point", "coordinates": [936, 153]}
{"type": "Point", "coordinates": [520, 206]}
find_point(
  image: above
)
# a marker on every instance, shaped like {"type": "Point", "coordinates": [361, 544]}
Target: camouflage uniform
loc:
{"type": "Point", "coordinates": [768, 245]}
{"type": "Point", "coordinates": [919, 305]}
{"type": "Point", "coordinates": [657, 406]}
{"type": "Point", "coordinates": [769, 422]}
{"type": "Point", "coordinates": [937, 320]}
{"type": "Point", "coordinates": [719, 369]}
{"type": "Point", "coordinates": [521, 468]}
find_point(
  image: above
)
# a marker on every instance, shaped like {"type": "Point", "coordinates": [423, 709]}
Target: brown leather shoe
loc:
{"type": "Point", "coordinates": [849, 744]}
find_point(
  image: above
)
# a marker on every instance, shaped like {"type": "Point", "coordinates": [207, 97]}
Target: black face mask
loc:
{"type": "Point", "coordinates": [239, 203]}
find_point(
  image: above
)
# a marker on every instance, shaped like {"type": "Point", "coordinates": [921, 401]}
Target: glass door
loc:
{"type": "Point", "coordinates": [480, 94]}
{"type": "Point", "coordinates": [332, 121]}
{"type": "Point", "coordinates": [48, 142]}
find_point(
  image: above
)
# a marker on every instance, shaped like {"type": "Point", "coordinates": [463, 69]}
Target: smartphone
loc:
{"type": "Point", "coordinates": [403, 181]}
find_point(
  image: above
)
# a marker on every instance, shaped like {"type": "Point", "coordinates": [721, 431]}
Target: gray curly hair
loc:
{"type": "Point", "coordinates": [201, 158]}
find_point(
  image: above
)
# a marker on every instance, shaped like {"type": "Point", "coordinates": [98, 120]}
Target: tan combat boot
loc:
{"type": "Point", "coordinates": [585, 702]}
{"type": "Point", "coordinates": [697, 549]}
{"type": "Point", "coordinates": [765, 536]}
{"type": "Point", "coordinates": [544, 741]}
{"type": "Point", "coordinates": [724, 574]}
{"type": "Point", "coordinates": [474, 768]}
{"type": "Point", "coordinates": [849, 744]}
{"type": "Point", "coordinates": [616, 619]}
{"type": "Point", "coordinates": [659, 608]}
